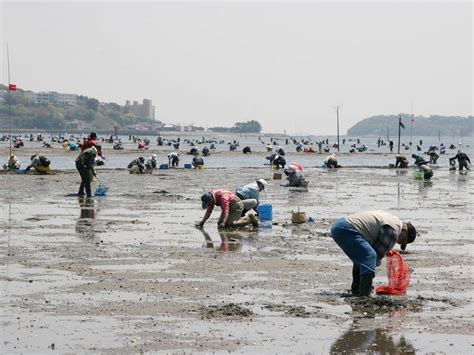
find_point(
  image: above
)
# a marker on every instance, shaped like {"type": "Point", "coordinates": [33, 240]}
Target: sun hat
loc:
{"type": "Point", "coordinates": [263, 182]}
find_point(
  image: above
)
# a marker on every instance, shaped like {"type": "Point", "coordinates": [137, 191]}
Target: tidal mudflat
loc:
{"type": "Point", "coordinates": [129, 272]}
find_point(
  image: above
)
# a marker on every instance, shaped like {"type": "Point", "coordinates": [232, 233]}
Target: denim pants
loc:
{"type": "Point", "coordinates": [351, 241]}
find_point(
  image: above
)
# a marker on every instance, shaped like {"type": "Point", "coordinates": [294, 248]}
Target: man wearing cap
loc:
{"type": "Point", "coordinates": [231, 206]}
{"type": "Point", "coordinates": [366, 237]}
{"type": "Point", "coordinates": [251, 191]}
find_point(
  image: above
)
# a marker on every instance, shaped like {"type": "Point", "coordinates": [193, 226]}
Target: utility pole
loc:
{"type": "Point", "coordinates": [337, 111]}
{"type": "Point", "coordinates": [400, 126]}
{"type": "Point", "coordinates": [9, 103]}
{"type": "Point", "coordinates": [337, 120]}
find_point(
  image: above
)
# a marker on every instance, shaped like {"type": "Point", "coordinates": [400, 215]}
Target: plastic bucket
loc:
{"type": "Point", "coordinates": [163, 166]}
{"type": "Point", "coordinates": [265, 212]}
{"type": "Point", "coordinates": [188, 166]}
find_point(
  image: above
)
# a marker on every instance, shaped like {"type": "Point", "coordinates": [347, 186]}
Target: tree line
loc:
{"type": "Point", "coordinates": [27, 114]}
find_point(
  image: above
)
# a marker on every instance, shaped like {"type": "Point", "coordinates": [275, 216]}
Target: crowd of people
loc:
{"type": "Point", "coordinates": [365, 237]}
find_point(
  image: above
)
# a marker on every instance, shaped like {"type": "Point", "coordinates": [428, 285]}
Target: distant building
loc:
{"type": "Point", "coordinates": [51, 97]}
{"type": "Point", "coordinates": [146, 109]}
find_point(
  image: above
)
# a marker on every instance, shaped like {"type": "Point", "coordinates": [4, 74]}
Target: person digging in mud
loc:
{"type": "Point", "coordinates": [426, 170]}
{"type": "Point", "coordinates": [366, 237]}
{"type": "Point", "coordinates": [137, 166]}
{"type": "Point", "coordinates": [419, 159]}
{"type": "Point", "coordinates": [251, 191]}
{"type": "Point", "coordinates": [231, 206]}
{"type": "Point", "coordinates": [295, 177]}
{"type": "Point", "coordinates": [331, 162]}
{"type": "Point", "coordinates": [85, 167]}
{"type": "Point", "coordinates": [151, 164]}
{"type": "Point", "coordinates": [462, 158]}
{"type": "Point", "coordinates": [173, 159]}
{"type": "Point", "coordinates": [12, 164]}
{"type": "Point", "coordinates": [40, 163]}
{"type": "Point", "coordinates": [401, 161]}
{"type": "Point", "coordinates": [277, 161]}
{"type": "Point", "coordinates": [198, 163]}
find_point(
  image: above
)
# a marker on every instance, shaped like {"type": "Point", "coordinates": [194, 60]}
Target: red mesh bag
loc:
{"type": "Point", "coordinates": [398, 276]}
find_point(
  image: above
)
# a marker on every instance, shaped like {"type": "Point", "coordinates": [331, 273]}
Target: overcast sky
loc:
{"type": "Point", "coordinates": [284, 64]}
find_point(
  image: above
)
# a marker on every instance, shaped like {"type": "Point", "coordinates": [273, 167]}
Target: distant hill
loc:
{"type": "Point", "coordinates": [86, 113]}
{"type": "Point", "coordinates": [422, 126]}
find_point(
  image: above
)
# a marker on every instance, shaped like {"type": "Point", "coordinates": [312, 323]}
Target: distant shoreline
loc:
{"type": "Point", "coordinates": [200, 134]}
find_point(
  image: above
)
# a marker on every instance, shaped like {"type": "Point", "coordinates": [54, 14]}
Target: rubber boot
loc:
{"type": "Point", "coordinates": [365, 286]}
{"type": "Point", "coordinates": [355, 280]}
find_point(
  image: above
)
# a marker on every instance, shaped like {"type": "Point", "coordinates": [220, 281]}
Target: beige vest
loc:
{"type": "Point", "coordinates": [369, 223]}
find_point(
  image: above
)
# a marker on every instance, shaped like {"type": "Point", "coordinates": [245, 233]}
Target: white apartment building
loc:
{"type": "Point", "coordinates": [51, 97]}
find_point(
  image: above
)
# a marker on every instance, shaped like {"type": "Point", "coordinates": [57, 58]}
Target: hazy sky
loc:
{"type": "Point", "coordinates": [285, 64]}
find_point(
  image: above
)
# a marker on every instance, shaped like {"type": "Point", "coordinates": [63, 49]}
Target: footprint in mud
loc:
{"type": "Point", "coordinates": [229, 310]}
{"type": "Point", "coordinates": [382, 304]}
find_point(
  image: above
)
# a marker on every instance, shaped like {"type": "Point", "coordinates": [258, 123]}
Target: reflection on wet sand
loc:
{"type": "Point", "coordinates": [85, 223]}
{"type": "Point", "coordinates": [230, 240]}
{"type": "Point", "coordinates": [424, 186]}
{"type": "Point", "coordinates": [373, 341]}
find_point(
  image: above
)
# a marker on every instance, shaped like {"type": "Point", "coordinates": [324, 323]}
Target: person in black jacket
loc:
{"type": "Point", "coordinates": [85, 167]}
{"type": "Point", "coordinates": [463, 159]}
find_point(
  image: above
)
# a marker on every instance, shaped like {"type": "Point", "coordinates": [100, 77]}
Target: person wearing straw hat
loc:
{"type": "Point", "coordinates": [12, 164]}
{"type": "Point", "coordinates": [366, 237]}
{"type": "Point", "coordinates": [251, 191]}
{"type": "Point", "coordinates": [231, 206]}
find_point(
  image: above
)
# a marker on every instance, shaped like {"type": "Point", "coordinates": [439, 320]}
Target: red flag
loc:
{"type": "Point", "coordinates": [12, 87]}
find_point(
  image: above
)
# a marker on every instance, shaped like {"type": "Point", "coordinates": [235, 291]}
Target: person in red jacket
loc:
{"type": "Point", "coordinates": [231, 206]}
{"type": "Point", "coordinates": [91, 141]}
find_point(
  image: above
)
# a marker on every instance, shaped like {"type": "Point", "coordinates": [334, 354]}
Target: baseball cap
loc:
{"type": "Point", "coordinates": [411, 236]}
{"type": "Point", "coordinates": [206, 199]}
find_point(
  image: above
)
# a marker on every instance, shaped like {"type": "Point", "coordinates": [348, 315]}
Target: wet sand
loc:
{"type": "Point", "coordinates": [130, 272]}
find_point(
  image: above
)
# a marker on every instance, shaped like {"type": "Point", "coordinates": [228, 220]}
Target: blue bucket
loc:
{"type": "Point", "coordinates": [163, 166]}
{"type": "Point", "coordinates": [265, 212]}
{"type": "Point", "coordinates": [188, 166]}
